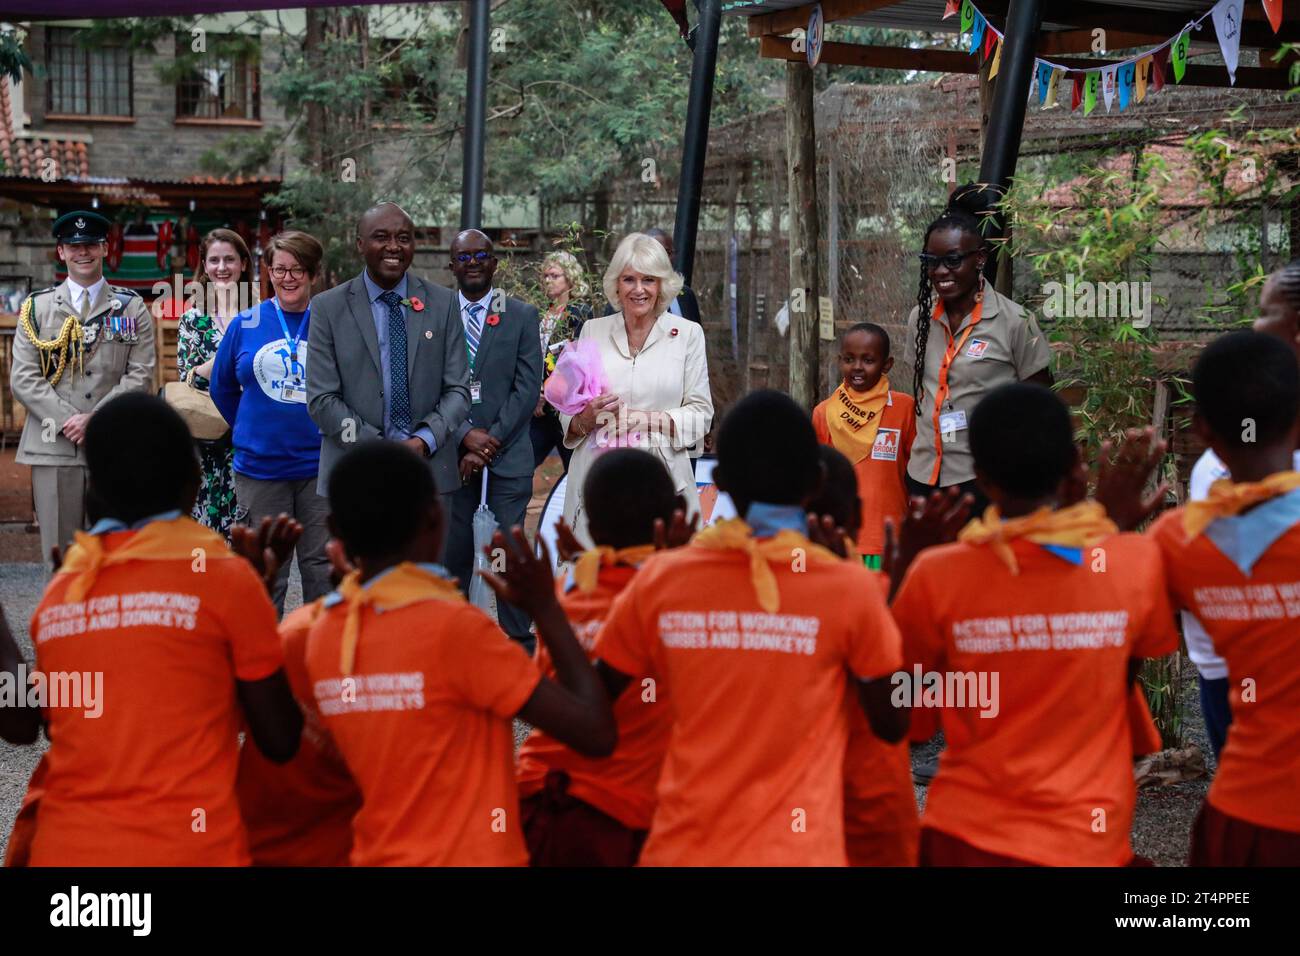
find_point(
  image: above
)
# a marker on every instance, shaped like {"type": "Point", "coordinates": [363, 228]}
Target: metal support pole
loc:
{"type": "Point", "coordinates": [1010, 94]}
{"type": "Point", "coordinates": [696, 141]}
{"type": "Point", "coordinates": [476, 70]}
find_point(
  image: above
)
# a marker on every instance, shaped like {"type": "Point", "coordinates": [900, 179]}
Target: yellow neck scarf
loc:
{"type": "Point", "coordinates": [1077, 526]}
{"type": "Point", "coordinates": [854, 417]}
{"type": "Point", "coordinates": [179, 539]}
{"type": "Point", "coordinates": [586, 569]}
{"type": "Point", "coordinates": [399, 587]}
{"type": "Point", "coordinates": [734, 535]}
{"type": "Point", "coordinates": [1228, 498]}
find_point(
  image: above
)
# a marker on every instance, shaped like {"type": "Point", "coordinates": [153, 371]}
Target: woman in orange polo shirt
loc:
{"type": "Point", "coordinates": [956, 361]}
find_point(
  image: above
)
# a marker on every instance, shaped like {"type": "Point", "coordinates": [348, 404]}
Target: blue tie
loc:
{"type": "Point", "coordinates": [398, 386]}
{"type": "Point", "coordinates": [474, 331]}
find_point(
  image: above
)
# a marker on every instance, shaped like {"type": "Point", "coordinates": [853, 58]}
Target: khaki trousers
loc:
{"type": "Point", "coordinates": [60, 493]}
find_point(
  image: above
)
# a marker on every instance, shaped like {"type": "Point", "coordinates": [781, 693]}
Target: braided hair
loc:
{"type": "Point", "coordinates": [959, 214]}
{"type": "Point", "coordinates": [1288, 283]}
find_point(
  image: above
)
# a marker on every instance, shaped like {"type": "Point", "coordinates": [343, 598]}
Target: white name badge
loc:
{"type": "Point", "coordinates": [950, 422]}
{"type": "Point", "coordinates": [885, 447]}
{"type": "Point", "coordinates": [475, 393]}
{"type": "Point", "coordinates": [294, 392]}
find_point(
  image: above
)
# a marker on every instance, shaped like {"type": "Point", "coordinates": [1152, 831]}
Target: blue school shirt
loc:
{"type": "Point", "coordinates": [257, 386]}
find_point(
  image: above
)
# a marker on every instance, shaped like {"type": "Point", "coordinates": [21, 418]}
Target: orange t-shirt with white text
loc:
{"type": "Point", "coordinates": [1254, 623]}
{"type": "Point", "coordinates": [1047, 776]}
{"type": "Point", "coordinates": [621, 785]}
{"type": "Point", "coordinates": [882, 485]}
{"type": "Point", "coordinates": [151, 780]}
{"type": "Point", "coordinates": [428, 733]}
{"type": "Point", "coordinates": [754, 773]}
{"type": "Point", "coordinates": [298, 813]}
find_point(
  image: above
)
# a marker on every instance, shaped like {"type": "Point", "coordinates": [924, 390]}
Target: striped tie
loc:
{"type": "Point", "coordinates": [474, 330]}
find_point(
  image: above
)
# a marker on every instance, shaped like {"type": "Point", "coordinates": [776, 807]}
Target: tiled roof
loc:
{"type": "Point", "coordinates": [1183, 187]}
{"type": "Point", "coordinates": [26, 156]}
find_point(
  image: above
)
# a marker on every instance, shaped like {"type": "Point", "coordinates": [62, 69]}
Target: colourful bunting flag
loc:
{"type": "Point", "coordinates": [977, 32]}
{"type": "Point", "coordinates": [952, 7]}
{"type": "Point", "coordinates": [1076, 97]}
{"type": "Point", "coordinates": [1090, 91]}
{"type": "Point", "coordinates": [1160, 60]}
{"type": "Point", "coordinates": [1226, 15]}
{"type": "Point", "coordinates": [997, 60]}
{"type": "Point", "coordinates": [967, 16]}
{"type": "Point", "coordinates": [1108, 86]}
{"type": "Point", "coordinates": [990, 36]}
{"type": "Point", "coordinates": [1044, 72]}
{"type": "Point", "coordinates": [1052, 84]}
{"type": "Point", "coordinates": [1127, 81]}
{"type": "Point", "coordinates": [1274, 10]}
{"type": "Point", "coordinates": [1143, 77]}
{"type": "Point", "coordinates": [1178, 54]}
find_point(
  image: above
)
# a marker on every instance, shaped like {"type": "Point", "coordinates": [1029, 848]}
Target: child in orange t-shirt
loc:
{"type": "Point", "coordinates": [873, 427]}
{"type": "Point", "coordinates": [880, 819]}
{"type": "Point", "coordinates": [419, 688]}
{"type": "Point", "coordinates": [752, 630]}
{"type": "Point", "coordinates": [1028, 632]}
{"type": "Point", "coordinates": [579, 811]}
{"type": "Point", "coordinates": [299, 813]}
{"type": "Point", "coordinates": [157, 643]}
{"type": "Point", "coordinates": [1233, 560]}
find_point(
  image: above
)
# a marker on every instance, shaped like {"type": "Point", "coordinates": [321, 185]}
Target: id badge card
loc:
{"type": "Point", "coordinates": [952, 422]}
{"type": "Point", "coordinates": [295, 391]}
{"type": "Point", "coordinates": [475, 393]}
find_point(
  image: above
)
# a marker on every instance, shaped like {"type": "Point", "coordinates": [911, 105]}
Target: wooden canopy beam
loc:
{"type": "Point", "coordinates": [954, 61]}
{"type": "Point", "coordinates": [783, 21]}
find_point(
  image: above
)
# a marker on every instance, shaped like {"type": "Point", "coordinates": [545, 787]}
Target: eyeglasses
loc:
{"type": "Point", "coordinates": [952, 260]}
{"type": "Point", "coordinates": [292, 272]}
{"type": "Point", "coordinates": [480, 256]}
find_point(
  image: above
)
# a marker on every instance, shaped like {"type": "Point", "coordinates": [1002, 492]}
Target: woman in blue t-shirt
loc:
{"type": "Point", "coordinates": [259, 383]}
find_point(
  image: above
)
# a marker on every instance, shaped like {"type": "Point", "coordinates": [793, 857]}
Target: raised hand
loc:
{"type": "Point", "coordinates": [823, 530]}
{"type": "Point", "coordinates": [269, 547]}
{"type": "Point", "coordinates": [676, 534]}
{"type": "Point", "coordinates": [1122, 483]}
{"type": "Point", "coordinates": [926, 523]}
{"type": "Point", "coordinates": [340, 566]}
{"type": "Point", "coordinates": [566, 542]}
{"type": "Point", "coordinates": [526, 580]}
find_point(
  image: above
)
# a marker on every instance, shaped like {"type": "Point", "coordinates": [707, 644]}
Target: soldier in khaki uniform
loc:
{"type": "Point", "coordinates": [78, 345]}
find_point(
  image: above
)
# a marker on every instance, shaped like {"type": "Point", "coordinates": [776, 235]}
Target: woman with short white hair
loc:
{"type": "Point", "coordinates": [657, 394]}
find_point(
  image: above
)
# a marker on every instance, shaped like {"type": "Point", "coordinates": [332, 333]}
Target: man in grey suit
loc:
{"type": "Point", "coordinates": [386, 356]}
{"type": "Point", "coordinates": [505, 377]}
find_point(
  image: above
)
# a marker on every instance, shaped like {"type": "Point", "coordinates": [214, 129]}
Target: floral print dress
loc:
{"type": "Point", "coordinates": [197, 338]}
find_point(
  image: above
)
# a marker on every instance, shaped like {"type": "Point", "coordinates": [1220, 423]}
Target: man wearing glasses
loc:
{"type": "Point", "coordinates": [505, 376]}
{"type": "Point", "coordinates": [387, 355]}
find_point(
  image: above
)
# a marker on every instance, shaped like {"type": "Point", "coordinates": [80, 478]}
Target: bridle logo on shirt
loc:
{"type": "Point", "coordinates": [977, 348]}
{"type": "Point", "coordinates": [885, 447]}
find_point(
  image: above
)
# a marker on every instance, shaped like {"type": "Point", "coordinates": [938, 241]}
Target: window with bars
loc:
{"type": "Point", "coordinates": [86, 81]}
{"type": "Point", "coordinates": [221, 83]}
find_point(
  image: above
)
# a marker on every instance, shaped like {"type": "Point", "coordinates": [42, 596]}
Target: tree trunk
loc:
{"type": "Point", "coordinates": [801, 152]}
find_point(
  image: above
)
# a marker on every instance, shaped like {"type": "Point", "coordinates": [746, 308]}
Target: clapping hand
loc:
{"type": "Point", "coordinates": [926, 523]}
{"type": "Point", "coordinates": [823, 530]}
{"type": "Point", "coordinates": [269, 547]}
{"type": "Point", "coordinates": [526, 580]}
{"type": "Point", "coordinates": [676, 534]}
{"type": "Point", "coordinates": [1121, 484]}
{"type": "Point", "coordinates": [567, 544]}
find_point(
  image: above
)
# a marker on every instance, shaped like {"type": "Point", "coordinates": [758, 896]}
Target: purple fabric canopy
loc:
{"type": "Point", "coordinates": [79, 9]}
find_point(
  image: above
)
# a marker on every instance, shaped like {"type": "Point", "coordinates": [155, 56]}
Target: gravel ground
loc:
{"type": "Point", "coordinates": [1160, 831]}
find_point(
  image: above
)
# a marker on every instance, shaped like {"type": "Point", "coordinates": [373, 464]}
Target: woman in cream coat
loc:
{"type": "Point", "coordinates": [657, 396]}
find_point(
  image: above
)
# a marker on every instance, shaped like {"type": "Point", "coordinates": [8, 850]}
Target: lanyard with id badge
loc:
{"type": "Point", "coordinates": [949, 420]}
{"type": "Point", "coordinates": [295, 386]}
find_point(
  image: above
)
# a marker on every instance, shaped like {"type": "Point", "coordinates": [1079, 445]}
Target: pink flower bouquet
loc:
{"type": "Point", "coordinates": [579, 377]}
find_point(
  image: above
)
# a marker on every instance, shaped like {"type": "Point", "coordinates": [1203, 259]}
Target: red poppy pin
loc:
{"type": "Point", "coordinates": [493, 319]}
{"type": "Point", "coordinates": [414, 304]}
{"type": "Point", "coordinates": [673, 330]}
